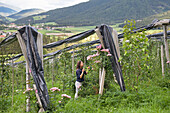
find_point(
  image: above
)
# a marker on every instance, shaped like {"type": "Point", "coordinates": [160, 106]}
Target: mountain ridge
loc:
{"type": "Point", "coordinates": [5, 11]}
{"type": "Point", "coordinates": [10, 6]}
{"type": "Point", "coordinates": [25, 13]}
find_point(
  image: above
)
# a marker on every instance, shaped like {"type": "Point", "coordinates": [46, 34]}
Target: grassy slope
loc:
{"type": "Point", "coordinates": [148, 20]}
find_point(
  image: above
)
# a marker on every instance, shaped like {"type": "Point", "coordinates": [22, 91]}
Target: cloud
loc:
{"type": "Point", "coordinates": [42, 4]}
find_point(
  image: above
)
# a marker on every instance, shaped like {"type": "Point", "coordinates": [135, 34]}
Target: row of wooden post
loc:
{"type": "Point", "coordinates": [165, 40]}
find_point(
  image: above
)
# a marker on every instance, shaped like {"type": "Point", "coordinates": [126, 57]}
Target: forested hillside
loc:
{"type": "Point", "coordinates": [3, 20]}
{"type": "Point", "coordinates": [100, 11]}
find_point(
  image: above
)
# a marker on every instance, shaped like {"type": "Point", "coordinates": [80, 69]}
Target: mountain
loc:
{"type": "Point", "coordinates": [96, 12]}
{"type": "Point", "coordinates": [3, 20]}
{"type": "Point", "coordinates": [25, 13]}
{"type": "Point", "coordinates": [10, 6]}
{"type": "Point", "coordinates": [6, 9]}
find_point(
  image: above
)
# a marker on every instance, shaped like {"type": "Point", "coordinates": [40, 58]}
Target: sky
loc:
{"type": "Point", "coordinates": [42, 4]}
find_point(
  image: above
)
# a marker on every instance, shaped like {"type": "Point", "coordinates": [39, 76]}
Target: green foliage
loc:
{"type": "Point", "coordinates": [135, 49]}
{"type": "Point", "coordinates": [65, 70]}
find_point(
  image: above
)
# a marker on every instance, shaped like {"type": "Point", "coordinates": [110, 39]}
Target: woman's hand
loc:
{"type": "Point", "coordinates": [82, 73]}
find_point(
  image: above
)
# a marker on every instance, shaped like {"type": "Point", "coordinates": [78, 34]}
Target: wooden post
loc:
{"type": "Point", "coordinates": [12, 82]}
{"type": "Point", "coordinates": [162, 59]}
{"type": "Point", "coordinates": [2, 74]}
{"type": "Point", "coordinates": [102, 81]}
{"type": "Point", "coordinates": [27, 86]}
{"type": "Point", "coordinates": [84, 61]}
{"type": "Point", "coordinates": [114, 76]}
{"type": "Point", "coordinates": [100, 74]}
{"type": "Point", "coordinates": [17, 78]}
{"type": "Point", "coordinates": [73, 64]}
{"type": "Point", "coordinates": [52, 72]}
{"type": "Point", "coordinates": [166, 42]}
{"type": "Point", "coordinates": [38, 98]}
{"type": "Point", "coordinates": [22, 81]}
{"type": "Point", "coordinates": [158, 51]}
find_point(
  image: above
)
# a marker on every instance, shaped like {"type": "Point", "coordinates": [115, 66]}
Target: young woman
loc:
{"type": "Point", "coordinates": [80, 72]}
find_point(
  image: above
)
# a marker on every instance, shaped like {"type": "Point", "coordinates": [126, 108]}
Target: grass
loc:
{"type": "Point", "coordinates": [152, 99]}
{"type": "Point", "coordinates": [47, 31]}
{"type": "Point", "coordinates": [50, 23]}
{"type": "Point", "coordinates": [85, 28]}
{"type": "Point", "coordinates": [9, 30]}
{"type": "Point", "coordinates": [39, 17]}
{"type": "Point", "coordinates": [80, 29]}
{"type": "Point", "coordinates": [47, 23]}
{"type": "Point", "coordinates": [10, 19]}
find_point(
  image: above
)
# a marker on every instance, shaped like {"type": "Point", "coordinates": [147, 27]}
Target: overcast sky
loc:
{"type": "Point", "coordinates": [42, 4]}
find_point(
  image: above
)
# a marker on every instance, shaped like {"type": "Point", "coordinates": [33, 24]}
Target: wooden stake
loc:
{"type": "Point", "coordinates": [12, 82]}
{"type": "Point", "coordinates": [102, 81]}
{"type": "Point", "coordinates": [2, 74]}
{"type": "Point", "coordinates": [22, 81]}
{"type": "Point", "coordinates": [100, 74]}
{"type": "Point", "coordinates": [73, 64]}
{"type": "Point", "coordinates": [84, 65]}
{"type": "Point", "coordinates": [162, 59]}
{"type": "Point", "coordinates": [166, 42]}
{"type": "Point", "coordinates": [27, 86]}
{"type": "Point", "coordinates": [158, 51]}
{"type": "Point", "coordinates": [38, 98]}
{"type": "Point", "coordinates": [52, 72]}
{"type": "Point", "coordinates": [84, 61]}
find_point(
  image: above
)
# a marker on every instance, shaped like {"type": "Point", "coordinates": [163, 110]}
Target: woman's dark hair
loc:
{"type": "Point", "coordinates": [78, 64]}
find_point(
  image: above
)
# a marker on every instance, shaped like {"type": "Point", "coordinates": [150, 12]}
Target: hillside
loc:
{"type": "Point", "coordinates": [25, 13]}
{"type": "Point", "coordinates": [147, 20]}
{"type": "Point", "coordinates": [3, 20]}
{"type": "Point", "coordinates": [100, 11]}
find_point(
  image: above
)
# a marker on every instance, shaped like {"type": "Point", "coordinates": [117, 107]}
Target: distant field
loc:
{"type": "Point", "coordinates": [48, 23]}
{"type": "Point", "coordinates": [9, 30]}
{"type": "Point", "coordinates": [76, 30]}
{"type": "Point", "coordinates": [39, 17]}
{"type": "Point", "coordinates": [46, 31]}
{"type": "Point", "coordinates": [79, 29]}
{"type": "Point", "coordinates": [85, 28]}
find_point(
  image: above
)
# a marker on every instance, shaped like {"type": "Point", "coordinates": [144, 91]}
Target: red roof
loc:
{"type": "Point", "coordinates": [2, 36]}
